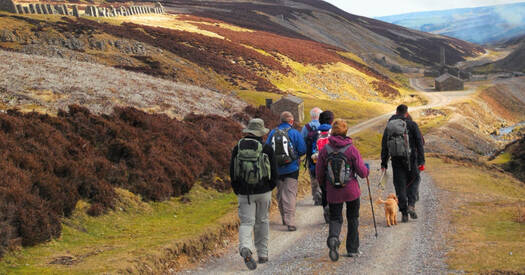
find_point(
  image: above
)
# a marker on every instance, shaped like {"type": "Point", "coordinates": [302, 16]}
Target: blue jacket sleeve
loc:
{"type": "Point", "coordinates": [304, 132]}
{"type": "Point", "coordinates": [298, 141]}
{"type": "Point", "coordinates": [269, 139]}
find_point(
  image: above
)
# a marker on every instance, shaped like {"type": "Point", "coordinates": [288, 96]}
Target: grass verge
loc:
{"type": "Point", "coordinates": [488, 233]}
{"type": "Point", "coordinates": [136, 237]}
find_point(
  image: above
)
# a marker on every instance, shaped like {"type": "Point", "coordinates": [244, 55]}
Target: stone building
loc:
{"type": "Point", "coordinates": [447, 82]}
{"type": "Point", "coordinates": [292, 104]}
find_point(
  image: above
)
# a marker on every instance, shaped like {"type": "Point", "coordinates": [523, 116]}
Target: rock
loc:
{"type": "Point", "coordinates": [7, 36]}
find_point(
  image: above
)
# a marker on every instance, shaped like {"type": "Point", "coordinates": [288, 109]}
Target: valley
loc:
{"type": "Point", "coordinates": [116, 133]}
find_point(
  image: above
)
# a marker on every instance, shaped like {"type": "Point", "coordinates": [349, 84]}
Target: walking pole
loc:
{"type": "Point", "coordinates": [371, 204]}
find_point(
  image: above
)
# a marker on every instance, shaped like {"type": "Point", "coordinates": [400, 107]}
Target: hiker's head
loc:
{"type": "Point", "coordinates": [315, 112]}
{"type": "Point", "coordinates": [339, 128]}
{"type": "Point", "coordinates": [402, 110]}
{"type": "Point", "coordinates": [287, 117]}
{"type": "Point", "coordinates": [256, 127]}
{"type": "Point", "coordinates": [326, 117]}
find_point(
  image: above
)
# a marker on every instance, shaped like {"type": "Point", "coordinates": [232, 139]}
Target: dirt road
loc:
{"type": "Point", "coordinates": [408, 248]}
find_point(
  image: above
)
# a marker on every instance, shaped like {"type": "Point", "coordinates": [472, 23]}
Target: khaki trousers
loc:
{"type": "Point", "coordinates": [286, 198]}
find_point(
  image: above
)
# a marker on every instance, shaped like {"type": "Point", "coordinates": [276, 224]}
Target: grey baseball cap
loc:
{"type": "Point", "coordinates": [256, 128]}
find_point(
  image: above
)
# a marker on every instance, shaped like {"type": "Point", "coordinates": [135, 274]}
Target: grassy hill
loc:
{"type": "Point", "coordinates": [325, 23]}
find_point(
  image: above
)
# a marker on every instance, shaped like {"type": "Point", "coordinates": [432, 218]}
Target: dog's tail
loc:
{"type": "Point", "coordinates": [380, 201]}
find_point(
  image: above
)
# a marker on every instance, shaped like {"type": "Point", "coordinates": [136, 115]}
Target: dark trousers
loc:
{"type": "Point", "coordinates": [336, 223]}
{"type": "Point", "coordinates": [406, 183]}
{"type": "Point", "coordinates": [323, 195]}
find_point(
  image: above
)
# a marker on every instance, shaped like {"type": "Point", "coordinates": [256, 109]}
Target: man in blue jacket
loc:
{"type": "Point", "coordinates": [289, 146]}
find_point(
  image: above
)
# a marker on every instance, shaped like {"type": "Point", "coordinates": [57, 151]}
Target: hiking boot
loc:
{"type": "Point", "coordinates": [404, 218]}
{"type": "Point", "coordinates": [263, 260]}
{"type": "Point", "coordinates": [249, 261]}
{"type": "Point", "coordinates": [353, 254]}
{"type": "Point", "coordinates": [333, 245]}
{"type": "Point", "coordinates": [318, 202]}
{"type": "Point", "coordinates": [292, 228]}
{"type": "Point", "coordinates": [412, 212]}
{"type": "Point", "coordinates": [326, 214]}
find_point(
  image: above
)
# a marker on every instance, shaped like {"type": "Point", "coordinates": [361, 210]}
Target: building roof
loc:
{"type": "Point", "coordinates": [291, 98]}
{"type": "Point", "coordinates": [446, 76]}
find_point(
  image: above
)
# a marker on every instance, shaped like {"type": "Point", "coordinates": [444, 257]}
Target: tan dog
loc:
{"type": "Point", "coordinates": [391, 209]}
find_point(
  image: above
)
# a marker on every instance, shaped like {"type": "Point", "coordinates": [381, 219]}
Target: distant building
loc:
{"type": "Point", "coordinates": [447, 82]}
{"type": "Point", "coordinates": [292, 104]}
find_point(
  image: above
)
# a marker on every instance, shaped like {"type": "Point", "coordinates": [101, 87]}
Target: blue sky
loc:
{"type": "Point", "coordinates": [375, 8]}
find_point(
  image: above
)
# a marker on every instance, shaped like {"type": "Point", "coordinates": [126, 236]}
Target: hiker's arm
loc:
{"type": "Point", "coordinates": [235, 184]}
{"type": "Point", "coordinates": [384, 151]}
{"type": "Point", "coordinates": [359, 164]}
{"type": "Point", "coordinates": [273, 164]}
{"type": "Point", "coordinates": [301, 146]}
{"type": "Point", "coordinates": [269, 139]}
{"type": "Point", "coordinates": [304, 132]}
{"type": "Point", "coordinates": [320, 167]}
{"type": "Point", "coordinates": [419, 145]}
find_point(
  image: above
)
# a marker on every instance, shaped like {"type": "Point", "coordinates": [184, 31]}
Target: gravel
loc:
{"type": "Point", "coordinates": [416, 247]}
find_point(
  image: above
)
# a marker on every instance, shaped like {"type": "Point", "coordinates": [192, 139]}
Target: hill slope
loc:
{"type": "Point", "coordinates": [323, 22]}
{"type": "Point", "coordinates": [478, 25]}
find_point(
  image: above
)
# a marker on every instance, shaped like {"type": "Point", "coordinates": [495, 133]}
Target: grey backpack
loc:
{"type": "Point", "coordinates": [398, 140]}
{"type": "Point", "coordinates": [251, 165]}
{"type": "Point", "coordinates": [338, 167]}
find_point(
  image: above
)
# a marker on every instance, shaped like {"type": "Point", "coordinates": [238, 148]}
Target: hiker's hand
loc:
{"type": "Point", "coordinates": [422, 167]}
{"type": "Point", "coordinates": [367, 166]}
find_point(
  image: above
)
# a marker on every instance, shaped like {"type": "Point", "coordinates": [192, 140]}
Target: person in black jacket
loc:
{"type": "Point", "coordinates": [406, 170]}
{"type": "Point", "coordinates": [254, 199]}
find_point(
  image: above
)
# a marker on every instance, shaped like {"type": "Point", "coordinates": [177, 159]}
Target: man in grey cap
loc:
{"type": "Point", "coordinates": [254, 174]}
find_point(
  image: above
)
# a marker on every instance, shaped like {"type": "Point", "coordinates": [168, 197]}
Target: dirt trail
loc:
{"type": "Point", "coordinates": [436, 99]}
{"type": "Point", "coordinates": [409, 248]}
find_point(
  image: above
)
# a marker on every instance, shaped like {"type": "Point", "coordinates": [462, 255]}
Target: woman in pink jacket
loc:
{"type": "Point", "coordinates": [349, 193]}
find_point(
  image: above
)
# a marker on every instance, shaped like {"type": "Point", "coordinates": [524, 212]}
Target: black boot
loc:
{"type": "Point", "coordinates": [404, 217]}
{"type": "Point", "coordinates": [248, 259]}
{"type": "Point", "coordinates": [333, 245]}
{"type": "Point", "coordinates": [412, 212]}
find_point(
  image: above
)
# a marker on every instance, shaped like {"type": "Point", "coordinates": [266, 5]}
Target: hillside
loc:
{"type": "Point", "coordinates": [325, 23]}
{"type": "Point", "coordinates": [478, 25]}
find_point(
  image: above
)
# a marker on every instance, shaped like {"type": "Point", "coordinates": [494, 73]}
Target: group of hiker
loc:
{"type": "Point", "coordinates": [333, 162]}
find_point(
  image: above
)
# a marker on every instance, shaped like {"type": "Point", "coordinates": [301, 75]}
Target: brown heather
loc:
{"type": "Point", "coordinates": [50, 163]}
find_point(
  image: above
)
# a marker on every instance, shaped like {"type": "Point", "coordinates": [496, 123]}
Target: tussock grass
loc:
{"type": "Point", "coordinates": [486, 235]}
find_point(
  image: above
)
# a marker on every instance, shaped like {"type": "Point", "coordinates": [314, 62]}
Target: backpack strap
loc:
{"type": "Point", "coordinates": [330, 149]}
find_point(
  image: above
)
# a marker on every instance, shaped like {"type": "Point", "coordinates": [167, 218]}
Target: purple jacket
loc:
{"type": "Point", "coordinates": [351, 191]}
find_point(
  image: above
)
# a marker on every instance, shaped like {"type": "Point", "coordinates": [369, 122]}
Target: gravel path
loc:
{"type": "Point", "coordinates": [410, 248]}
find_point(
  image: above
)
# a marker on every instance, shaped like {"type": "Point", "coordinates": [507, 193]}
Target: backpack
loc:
{"type": "Point", "coordinates": [311, 143]}
{"type": "Point", "coordinates": [338, 168]}
{"type": "Point", "coordinates": [283, 148]}
{"type": "Point", "coordinates": [251, 165]}
{"type": "Point", "coordinates": [397, 142]}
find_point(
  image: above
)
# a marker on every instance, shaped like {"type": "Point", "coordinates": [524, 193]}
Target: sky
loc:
{"type": "Point", "coordinates": [376, 8]}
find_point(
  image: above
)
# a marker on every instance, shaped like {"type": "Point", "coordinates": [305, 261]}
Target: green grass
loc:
{"type": "Point", "coordinates": [368, 142]}
{"type": "Point", "coordinates": [135, 229]}
{"type": "Point", "coordinates": [486, 235]}
{"type": "Point", "coordinates": [502, 159]}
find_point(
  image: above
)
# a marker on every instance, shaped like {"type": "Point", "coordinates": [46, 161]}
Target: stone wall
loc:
{"type": "Point", "coordinates": [78, 10]}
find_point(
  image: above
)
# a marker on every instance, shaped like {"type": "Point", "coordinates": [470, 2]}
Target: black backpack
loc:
{"type": "Point", "coordinates": [310, 141]}
{"type": "Point", "coordinates": [338, 166]}
{"type": "Point", "coordinates": [283, 147]}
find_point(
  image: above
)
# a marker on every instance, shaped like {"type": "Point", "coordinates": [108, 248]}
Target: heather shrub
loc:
{"type": "Point", "coordinates": [50, 163]}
